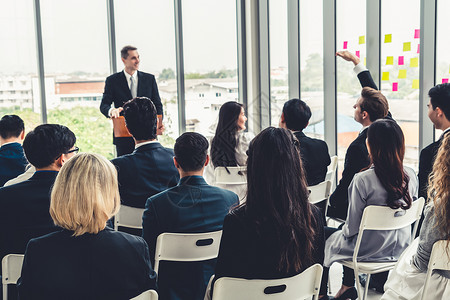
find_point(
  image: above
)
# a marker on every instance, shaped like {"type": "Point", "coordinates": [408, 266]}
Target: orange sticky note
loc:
{"type": "Point", "coordinates": [362, 39]}
{"type": "Point", "coordinates": [414, 62]}
{"type": "Point", "coordinates": [385, 76]}
{"type": "Point", "coordinates": [402, 73]}
{"type": "Point", "coordinates": [388, 38]}
{"type": "Point", "coordinates": [415, 84]}
{"type": "Point", "coordinates": [389, 60]}
{"type": "Point", "coordinates": [407, 46]}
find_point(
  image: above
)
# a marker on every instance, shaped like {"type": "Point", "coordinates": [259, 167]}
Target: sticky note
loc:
{"type": "Point", "coordinates": [415, 84]}
{"type": "Point", "coordinates": [418, 48]}
{"type": "Point", "coordinates": [417, 34]}
{"type": "Point", "coordinates": [444, 80]}
{"type": "Point", "coordinates": [388, 38]}
{"type": "Point", "coordinates": [365, 61]}
{"type": "Point", "coordinates": [402, 73]}
{"type": "Point", "coordinates": [345, 45]}
{"type": "Point", "coordinates": [401, 60]}
{"type": "Point", "coordinates": [389, 60]}
{"type": "Point", "coordinates": [395, 86]}
{"type": "Point", "coordinates": [362, 39]}
{"type": "Point", "coordinates": [385, 76]}
{"type": "Point", "coordinates": [357, 53]}
{"type": "Point", "coordinates": [407, 46]}
{"type": "Point", "coordinates": [414, 63]}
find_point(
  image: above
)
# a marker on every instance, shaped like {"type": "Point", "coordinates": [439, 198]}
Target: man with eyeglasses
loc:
{"type": "Point", "coordinates": [24, 207]}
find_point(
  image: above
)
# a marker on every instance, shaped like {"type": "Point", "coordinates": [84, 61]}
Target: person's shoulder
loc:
{"type": "Point", "coordinates": [115, 76]}
{"type": "Point", "coordinates": [146, 75]}
{"type": "Point", "coordinates": [431, 147]}
{"type": "Point", "coordinates": [50, 238]}
{"type": "Point", "coordinates": [118, 235]}
{"type": "Point", "coordinates": [365, 175]}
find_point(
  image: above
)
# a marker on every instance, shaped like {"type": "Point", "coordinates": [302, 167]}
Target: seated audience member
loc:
{"type": "Point", "coordinates": [12, 158]}
{"type": "Point", "coordinates": [192, 206]}
{"type": "Point", "coordinates": [314, 152]}
{"type": "Point", "coordinates": [408, 278]}
{"type": "Point", "coordinates": [149, 169]}
{"type": "Point", "coordinates": [85, 260]}
{"type": "Point", "coordinates": [371, 106]}
{"type": "Point", "coordinates": [439, 114]}
{"type": "Point", "coordinates": [276, 233]}
{"type": "Point", "coordinates": [386, 183]}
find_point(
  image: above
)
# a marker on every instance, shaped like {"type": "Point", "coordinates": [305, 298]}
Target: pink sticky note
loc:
{"type": "Point", "coordinates": [395, 86]}
{"type": "Point", "coordinates": [444, 80]}
{"type": "Point", "coordinates": [345, 45]}
{"type": "Point", "coordinates": [357, 53]}
{"type": "Point", "coordinates": [401, 60]}
{"type": "Point", "coordinates": [418, 48]}
{"type": "Point", "coordinates": [417, 34]}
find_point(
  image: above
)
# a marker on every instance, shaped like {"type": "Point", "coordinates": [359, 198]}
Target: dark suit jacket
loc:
{"type": "Point", "coordinates": [118, 92]}
{"type": "Point", "coordinates": [107, 265]}
{"type": "Point", "coordinates": [191, 207]}
{"type": "Point", "coordinates": [315, 158]}
{"type": "Point", "coordinates": [144, 173]}
{"type": "Point", "coordinates": [24, 212]}
{"type": "Point", "coordinates": [12, 162]}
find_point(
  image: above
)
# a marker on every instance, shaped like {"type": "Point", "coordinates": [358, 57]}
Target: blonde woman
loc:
{"type": "Point", "coordinates": [85, 259]}
{"type": "Point", "coordinates": [407, 279]}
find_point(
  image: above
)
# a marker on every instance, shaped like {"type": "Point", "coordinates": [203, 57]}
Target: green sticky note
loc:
{"type": "Point", "coordinates": [362, 39]}
{"type": "Point", "coordinates": [414, 63]}
{"type": "Point", "coordinates": [402, 73]}
{"type": "Point", "coordinates": [388, 38]}
{"type": "Point", "coordinates": [389, 60]}
{"type": "Point", "coordinates": [415, 84]}
{"type": "Point", "coordinates": [407, 46]}
{"type": "Point", "coordinates": [385, 76]}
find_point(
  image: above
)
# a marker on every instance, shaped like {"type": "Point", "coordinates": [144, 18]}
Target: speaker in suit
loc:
{"type": "Point", "coordinates": [106, 265]}
{"type": "Point", "coordinates": [118, 92]}
{"type": "Point", "coordinates": [192, 206]}
{"type": "Point", "coordinates": [12, 161]}
{"type": "Point", "coordinates": [145, 172]}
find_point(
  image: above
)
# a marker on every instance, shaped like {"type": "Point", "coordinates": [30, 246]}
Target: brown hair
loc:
{"type": "Point", "coordinates": [124, 51]}
{"type": "Point", "coordinates": [374, 103]}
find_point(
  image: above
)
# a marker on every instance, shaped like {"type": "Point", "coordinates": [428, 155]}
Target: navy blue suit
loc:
{"type": "Point", "coordinates": [12, 162]}
{"type": "Point", "coordinates": [106, 265]}
{"type": "Point", "coordinates": [144, 173]}
{"type": "Point", "coordinates": [191, 207]}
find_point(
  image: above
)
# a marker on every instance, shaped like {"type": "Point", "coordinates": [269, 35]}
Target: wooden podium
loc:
{"type": "Point", "coordinates": [120, 130]}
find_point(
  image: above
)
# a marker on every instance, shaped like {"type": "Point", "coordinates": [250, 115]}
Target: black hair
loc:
{"type": "Point", "coordinates": [46, 143]}
{"type": "Point", "coordinates": [191, 149]}
{"type": "Point", "coordinates": [440, 97]}
{"type": "Point", "coordinates": [140, 117]}
{"type": "Point", "coordinates": [296, 114]}
{"type": "Point", "coordinates": [11, 126]}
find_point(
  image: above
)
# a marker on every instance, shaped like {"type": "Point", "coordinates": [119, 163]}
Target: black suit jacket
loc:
{"type": "Point", "coordinates": [24, 212]}
{"type": "Point", "coordinates": [12, 162]}
{"type": "Point", "coordinates": [315, 158]}
{"type": "Point", "coordinates": [191, 207]}
{"type": "Point", "coordinates": [106, 265]}
{"type": "Point", "coordinates": [144, 173]}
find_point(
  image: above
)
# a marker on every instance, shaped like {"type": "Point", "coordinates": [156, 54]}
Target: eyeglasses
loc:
{"type": "Point", "coordinates": [74, 150]}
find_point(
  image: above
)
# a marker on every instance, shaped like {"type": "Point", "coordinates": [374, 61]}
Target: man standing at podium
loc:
{"type": "Point", "coordinates": [125, 85]}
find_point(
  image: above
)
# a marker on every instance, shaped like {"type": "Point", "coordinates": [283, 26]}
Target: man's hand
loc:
{"type": "Point", "coordinates": [348, 56]}
{"type": "Point", "coordinates": [160, 126]}
{"type": "Point", "coordinates": [115, 112]}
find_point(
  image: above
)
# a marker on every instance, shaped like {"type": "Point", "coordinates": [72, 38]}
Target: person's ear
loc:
{"type": "Point", "coordinates": [60, 161]}
{"type": "Point", "coordinates": [176, 163]}
{"type": "Point", "coordinates": [22, 135]}
{"type": "Point", "coordinates": [207, 160]}
{"type": "Point", "coordinates": [364, 114]}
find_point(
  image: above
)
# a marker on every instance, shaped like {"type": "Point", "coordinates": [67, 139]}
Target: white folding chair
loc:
{"type": "Point", "coordinates": [382, 218]}
{"type": "Point", "coordinates": [11, 269]}
{"type": "Point", "coordinates": [187, 246]}
{"type": "Point", "coordinates": [298, 287]}
{"type": "Point", "coordinates": [128, 216]}
{"type": "Point", "coordinates": [237, 175]}
{"type": "Point", "coordinates": [319, 192]}
{"type": "Point", "coordinates": [147, 295]}
{"type": "Point", "coordinates": [331, 172]}
{"type": "Point", "coordinates": [439, 259]}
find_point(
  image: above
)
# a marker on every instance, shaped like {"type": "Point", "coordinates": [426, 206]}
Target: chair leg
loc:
{"type": "Point", "coordinates": [5, 291]}
{"type": "Point", "coordinates": [358, 285]}
{"type": "Point", "coordinates": [366, 288]}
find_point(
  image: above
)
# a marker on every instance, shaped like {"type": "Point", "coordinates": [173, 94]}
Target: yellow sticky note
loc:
{"type": "Point", "coordinates": [402, 73]}
{"type": "Point", "coordinates": [415, 84]}
{"type": "Point", "coordinates": [362, 39]}
{"type": "Point", "coordinates": [388, 38]}
{"type": "Point", "coordinates": [366, 64]}
{"type": "Point", "coordinates": [407, 46]}
{"type": "Point", "coordinates": [385, 76]}
{"type": "Point", "coordinates": [389, 60]}
{"type": "Point", "coordinates": [414, 63]}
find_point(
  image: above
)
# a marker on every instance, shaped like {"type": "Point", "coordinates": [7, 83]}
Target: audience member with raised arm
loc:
{"type": "Point", "coordinates": [386, 182]}
{"type": "Point", "coordinates": [407, 279]}
{"type": "Point", "coordinates": [192, 206]}
{"type": "Point", "coordinates": [276, 233]}
{"type": "Point", "coordinates": [12, 158]}
{"type": "Point", "coordinates": [85, 259]}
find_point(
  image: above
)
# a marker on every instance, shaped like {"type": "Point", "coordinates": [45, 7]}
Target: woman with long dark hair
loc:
{"type": "Point", "coordinates": [276, 233]}
{"type": "Point", "coordinates": [385, 183]}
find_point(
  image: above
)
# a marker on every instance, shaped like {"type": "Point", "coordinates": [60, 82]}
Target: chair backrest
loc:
{"type": "Point", "coordinates": [332, 167]}
{"type": "Point", "coordinates": [439, 259]}
{"type": "Point", "coordinates": [385, 218]}
{"type": "Point", "coordinates": [319, 192]}
{"type": "Point", "coordinates": [128, 216]}
{"type": "Point", "coordinates": [187, 246]}
{"type": "Point", "coordinates": [11, 269]}
{"type": "Point", "coordinates": [237, 175]}
{"type": "Point", "coordinates": [301, 286]}
{"type": "Point", "coordinates": [147, 295]}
